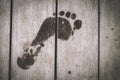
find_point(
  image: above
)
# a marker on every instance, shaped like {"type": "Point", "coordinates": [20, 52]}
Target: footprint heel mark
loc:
{"type": "Point", "coordinates": [47, 30]}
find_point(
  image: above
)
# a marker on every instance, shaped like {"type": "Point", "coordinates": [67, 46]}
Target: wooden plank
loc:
{"type": "Point", "coordinates": [110, 40]}
{"type": "Point", "coordinates": [4, 38]}
{"type": "Point", "coordinates": [78, 54]}
{"type": "Point", "coordinates": [33, 27]}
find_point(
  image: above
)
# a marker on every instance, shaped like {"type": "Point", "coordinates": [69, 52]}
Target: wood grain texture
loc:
{"type": "Point", "coordinates": [4, 38]}
{"type": "Point", "coordinates": [28, 15]}
{"type": "Point", "coordinates": [110, 39]}
{"type": "Point", "coordinates": [78, 56]}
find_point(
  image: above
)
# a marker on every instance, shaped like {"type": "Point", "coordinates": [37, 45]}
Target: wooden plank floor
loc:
{"type": "Point", "coordinates": [4, 38]}
{"type": "Point", "coordinates": [28, 16]}
{"type": "Point", "coordinates": [110, 40]}
{"type": "Point", "coordinates": [78, 56]}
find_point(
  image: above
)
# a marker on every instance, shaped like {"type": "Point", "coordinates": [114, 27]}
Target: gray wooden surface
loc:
{"type": "Point", "coordinates": [78, 56]}
{"type": "Point", "coordinates": [110, 40]}
{"type": "Point", "coordinates": [4, 38]}
{"type": "Point", "coordinates": [28, 16]}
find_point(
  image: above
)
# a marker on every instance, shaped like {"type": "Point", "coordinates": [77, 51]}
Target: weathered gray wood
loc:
{"type": "Point", "coordinates": [78, 56]}
{"type": "Point", "coordinates": [110, 40]}
{"type": "Point", "coordinates": [4, 38]}
{"type": "Point", "coordinates": [28, 15]}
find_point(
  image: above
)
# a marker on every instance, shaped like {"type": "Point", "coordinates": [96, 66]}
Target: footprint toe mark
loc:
{"type": "Point", "coordinates": [68, 14]}
{"type": "Point", "coordinates": [61, 13]}
{"type": "Point", "coordinates": [78, 24]}
{"type": "Point", "coordinates": [73, 16]}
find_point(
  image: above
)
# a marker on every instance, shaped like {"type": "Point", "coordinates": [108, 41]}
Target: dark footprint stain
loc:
{"type": "Point", "coordinates": [25, 61]}
{"type": "Point", "coordinates": [73, 16]}
{"type": "Point", "coordinates": [61, 13]}
{"type": "Point", "coordinates": [46, 31]}
{"type": "Point", "coordinates": [64, 30]}
{"type": "Point", "coordinates": [31, 51]}
{"type": "Point", "coordinates": [78, 24]}
{"type": "Point", "coordinates": [68, 14]}
{"type": "Point", "coordinates": [69, 72]}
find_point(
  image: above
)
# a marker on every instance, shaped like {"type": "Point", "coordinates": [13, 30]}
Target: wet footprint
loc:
{"type": "Point", "coordinates": [47, 30]}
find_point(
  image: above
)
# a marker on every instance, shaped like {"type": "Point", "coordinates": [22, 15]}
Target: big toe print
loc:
{"type": "Point", "coordinates": [47, 30]}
